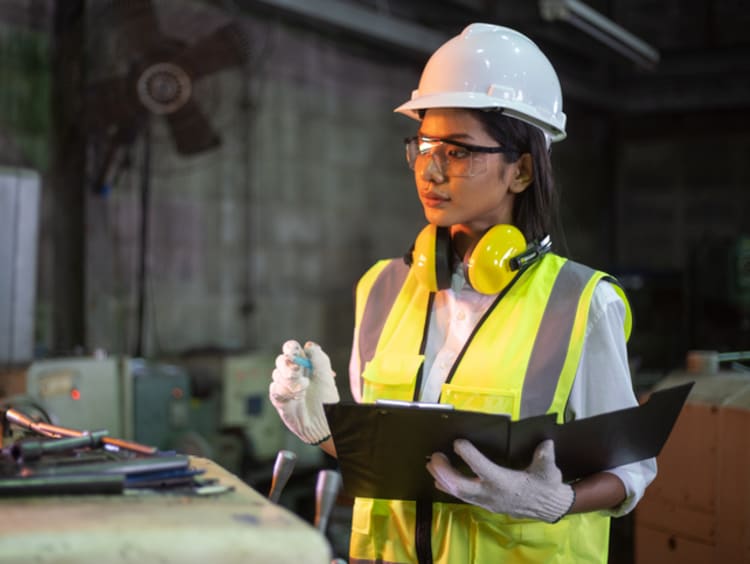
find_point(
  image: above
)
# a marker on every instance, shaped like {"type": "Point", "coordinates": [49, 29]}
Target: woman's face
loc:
{"type": "Point", "coordinates": [470, 203]}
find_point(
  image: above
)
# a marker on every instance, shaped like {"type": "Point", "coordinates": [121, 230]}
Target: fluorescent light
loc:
{"type": "Point", "coordinates": [601, 28]}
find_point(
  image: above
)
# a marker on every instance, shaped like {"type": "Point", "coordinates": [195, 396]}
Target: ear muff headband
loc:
{"type": "Point", "coordinates": [432, 256]}
{"type": "Point", "coordinates": [489, 267]}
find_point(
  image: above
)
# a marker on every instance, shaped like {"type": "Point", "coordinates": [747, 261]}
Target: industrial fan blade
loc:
{"type": "Point", "coordinates": [139, 24]}
{"type": "Point", "coordinates": [191, 130]}
{"type": "Point", "coordinates": [223, 48]}
{"type": "Point", "coordinates": [159, 81]}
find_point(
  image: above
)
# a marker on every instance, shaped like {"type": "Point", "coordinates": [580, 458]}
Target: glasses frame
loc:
{"type": "Point", "coordinates": [445, 141]}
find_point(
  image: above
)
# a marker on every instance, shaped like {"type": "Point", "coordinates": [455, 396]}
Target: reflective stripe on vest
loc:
{"type": "Point", "coordinates": [378, 305]}
{"type": "Point", "coordinates": [553, 338]}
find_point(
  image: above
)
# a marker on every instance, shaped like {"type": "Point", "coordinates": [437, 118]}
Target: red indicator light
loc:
{"type": "Point", "coordinates": [177, 393]}
{"type": "Point", "coordinates": [75, 394]}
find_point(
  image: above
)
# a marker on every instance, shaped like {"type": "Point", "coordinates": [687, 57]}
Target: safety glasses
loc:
{"type": "Point", "coordinates": [453, 158]}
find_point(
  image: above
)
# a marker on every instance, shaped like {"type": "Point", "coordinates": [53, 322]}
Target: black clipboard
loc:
{"type": "Point", "coordinates": [382, 450]}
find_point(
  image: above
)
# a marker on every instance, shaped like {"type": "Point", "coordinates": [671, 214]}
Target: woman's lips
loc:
{"type": "Point", "coordinates": [433, 200]}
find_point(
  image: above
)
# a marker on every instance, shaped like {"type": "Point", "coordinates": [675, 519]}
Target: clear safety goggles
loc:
{"type": "Point", "coordinates": [453, 158]}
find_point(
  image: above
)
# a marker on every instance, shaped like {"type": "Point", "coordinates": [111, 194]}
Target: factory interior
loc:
{"type": "Point", "coordinates": [187, 184]}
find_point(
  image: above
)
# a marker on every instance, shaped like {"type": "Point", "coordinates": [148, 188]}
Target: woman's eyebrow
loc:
{"type": "Point", "coordinates": [449, 136]}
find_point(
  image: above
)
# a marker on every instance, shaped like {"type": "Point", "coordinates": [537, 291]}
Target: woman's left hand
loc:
{"type": "Point", "coordinates": [537, 492]}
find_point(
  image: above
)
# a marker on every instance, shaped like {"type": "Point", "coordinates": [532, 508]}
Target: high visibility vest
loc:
{"type": "Point", "coordinates": [521, 360]}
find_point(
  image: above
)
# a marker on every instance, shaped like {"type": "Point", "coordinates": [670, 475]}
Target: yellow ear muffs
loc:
{"type": "Point", "coordinates": [488, 268]}
{"type": "Point", "coordinates": [431, 258]}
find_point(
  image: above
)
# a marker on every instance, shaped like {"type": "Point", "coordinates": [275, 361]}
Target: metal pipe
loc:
{"type": "Point", "coordinates": [366, 22]}
{"type": "Point", "coordinates": [49, 430]}
{"type": "Point", "coordinates": [601, 28]}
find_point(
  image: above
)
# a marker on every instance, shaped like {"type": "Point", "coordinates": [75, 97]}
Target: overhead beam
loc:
{"type": "Point", "coordinates": [601, 28]}
{"type": "Point", "coordinates": [372, 24]}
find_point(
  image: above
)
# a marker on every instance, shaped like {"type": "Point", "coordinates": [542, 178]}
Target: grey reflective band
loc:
{"type": "Point", "coordinates": [382, 296]}
{"type": "Point", "coordinates": [552, 340]}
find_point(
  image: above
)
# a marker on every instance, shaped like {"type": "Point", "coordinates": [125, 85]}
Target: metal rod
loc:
{"type": "Point", "coordinates": [601, 28]}
{"type": "Point", "coordinates": [26, 450]}
{"type": "Point", "coordinates": [143, 244]}
{"type": "Point", "coordinates": [49, 430]}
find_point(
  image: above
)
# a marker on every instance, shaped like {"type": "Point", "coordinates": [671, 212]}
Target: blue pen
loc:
{"type": "Point", "coordinates": [302, 361]}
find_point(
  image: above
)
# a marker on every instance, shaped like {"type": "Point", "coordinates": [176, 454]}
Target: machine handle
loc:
{"type": "Point", "coordinates": [282, 469]}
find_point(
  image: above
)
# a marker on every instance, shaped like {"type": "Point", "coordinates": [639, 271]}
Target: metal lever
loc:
{"type": "Point", "coordinates": [326, 492]}
{"type": "Point", "coordinates": [282, 469]}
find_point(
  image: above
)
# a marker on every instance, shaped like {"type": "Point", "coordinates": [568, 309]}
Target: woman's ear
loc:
{"type": "Point", "coordinates": [524, 173]}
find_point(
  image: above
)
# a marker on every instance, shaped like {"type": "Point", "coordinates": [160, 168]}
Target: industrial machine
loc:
{"type": "Point", "coordinates": [697, 509]}
{"type": "Point", "coordinates": [170, 405]}
{"type": "Point", "coordinates": [130, 398]}
{"type": "Point", "coordinates": [245, 405]}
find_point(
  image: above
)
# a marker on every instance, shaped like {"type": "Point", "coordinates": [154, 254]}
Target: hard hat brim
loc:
{"type": "Point", "coordinates": [481, 101]}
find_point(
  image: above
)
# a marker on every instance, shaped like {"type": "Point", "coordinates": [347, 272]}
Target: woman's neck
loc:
{"type": "Point", "coordinates": [464, 239]}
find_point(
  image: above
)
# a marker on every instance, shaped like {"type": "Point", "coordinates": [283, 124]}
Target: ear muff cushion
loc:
{"type": "Point", "coordinates": [431, 258]}
{"type": "Point", "coordinates": [488, 268]}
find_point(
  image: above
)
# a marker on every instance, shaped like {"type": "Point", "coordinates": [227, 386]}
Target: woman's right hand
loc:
{"type": "Point", "coordinates": [298, 392]}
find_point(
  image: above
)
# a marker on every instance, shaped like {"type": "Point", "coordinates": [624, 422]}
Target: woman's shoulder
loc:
{"type": "Point", "coordinates": [606, 293]}
{"type": "Point", "coordinates": [607, 290]}
{"type": "Point", "coordinates": [608, 304]}
{"type": "Point", "coordinates": [392, 266]}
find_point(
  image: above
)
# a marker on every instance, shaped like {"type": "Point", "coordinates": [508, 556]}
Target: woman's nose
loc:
{"type": "Point", "coordinates": [432, 170]}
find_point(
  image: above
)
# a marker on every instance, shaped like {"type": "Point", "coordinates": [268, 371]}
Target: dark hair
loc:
{"type": "Point", "coordinates": [535, 211]}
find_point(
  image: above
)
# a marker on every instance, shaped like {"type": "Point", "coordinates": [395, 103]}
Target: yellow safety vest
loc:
{"type": "Point", "coordinates": [521, 360]}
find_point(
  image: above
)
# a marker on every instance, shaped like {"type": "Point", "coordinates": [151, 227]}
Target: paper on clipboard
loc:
{"type": "Point", "coordinates": [382, 450]}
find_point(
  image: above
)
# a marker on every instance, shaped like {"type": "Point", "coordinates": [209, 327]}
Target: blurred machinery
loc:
{"type": "Point", "coordinates": [698, 508]}
{"type": "Point", "coordinates": [130, 398]}
{"type": "Point", "coordinates": [214, 406]}
{"type": "Point", "coordinates": [245, 405]}
{"type": "Point", "coordinates": [230, 407]}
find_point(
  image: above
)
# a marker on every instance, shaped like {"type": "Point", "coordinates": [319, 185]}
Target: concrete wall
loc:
{"type": "Point", "coordinates": [263, 239]}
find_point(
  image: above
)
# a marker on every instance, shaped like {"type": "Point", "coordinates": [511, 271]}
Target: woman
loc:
{"type": "Point", "coordinates": [486, 318]}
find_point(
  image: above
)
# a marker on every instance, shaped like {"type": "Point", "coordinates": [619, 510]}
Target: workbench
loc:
{"type": "Point", "coordinates": [149, 526]}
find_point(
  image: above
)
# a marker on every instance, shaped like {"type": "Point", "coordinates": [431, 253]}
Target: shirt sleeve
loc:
{"type": "Point", "coordinates": [603, 383]}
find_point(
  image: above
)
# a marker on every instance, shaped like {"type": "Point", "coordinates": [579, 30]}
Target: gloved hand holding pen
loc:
{"type": "Point", "coordinates": [302, 382]}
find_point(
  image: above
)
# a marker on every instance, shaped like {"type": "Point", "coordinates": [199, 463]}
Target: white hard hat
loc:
{"type": "Point", "coordinates": [492, 67]}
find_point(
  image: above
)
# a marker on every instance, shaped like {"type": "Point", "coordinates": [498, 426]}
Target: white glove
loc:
{"type": "Point", "coordinates": [537, 492]}
{"type": "Point", "coordinates": [298, 393]}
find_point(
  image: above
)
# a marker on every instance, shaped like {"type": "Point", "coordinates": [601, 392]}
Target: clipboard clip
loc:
{"type": "Point", "coordinates": [418, 404]}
